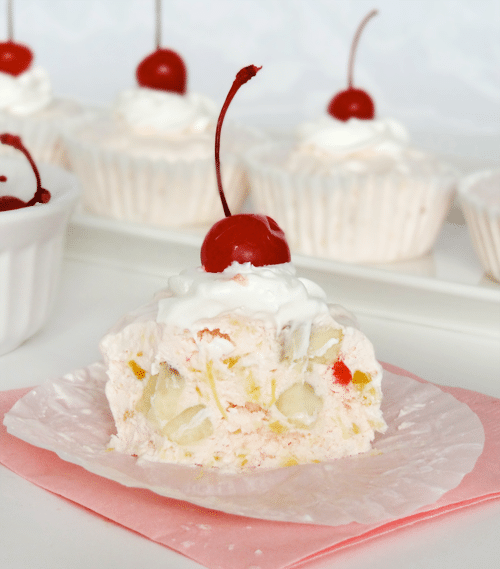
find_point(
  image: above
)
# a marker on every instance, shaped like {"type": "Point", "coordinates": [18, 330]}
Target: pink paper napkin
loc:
{"type": "Point", "coordinates": [223, 541]}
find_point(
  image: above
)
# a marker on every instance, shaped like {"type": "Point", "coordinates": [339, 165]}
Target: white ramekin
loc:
{"type": "Point", "coordinates": [31, 252]}
{"type": "Point", "coordinates": [482, 214]}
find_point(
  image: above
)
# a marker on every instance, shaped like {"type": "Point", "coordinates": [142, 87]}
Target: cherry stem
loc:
{"type": "Point", "coordinates": [354, 45]}
{"type": "Point", "coordinates": [158, 23]}
{"type": "Point", "coordinates": [242, 77]}
{"type": "Point", "coordinates": [15, 142]}
{"type": "Point", "coordinates": [10, 21]}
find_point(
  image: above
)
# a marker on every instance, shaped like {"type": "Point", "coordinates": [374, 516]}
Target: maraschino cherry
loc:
{"type": "Point", "coordinates": [15, 58]}
{"type": "Point", "coordinates": [353, 103]}
{"type": "Point", "coordinates": [246, 237]}
{"type": "Point", "coordinates": [163, 69]}
{"type": "Point", "coordinates": [42, 195]}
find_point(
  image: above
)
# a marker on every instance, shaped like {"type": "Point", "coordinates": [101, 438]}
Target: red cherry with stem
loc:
{"type": "Point", "coordinates": [14, 57]}
{"type": "Point", "coordinates": [353, 103]}
{"type": "Point", "coordinates": [246, 237]}
{"type": "Point", "coordinates": [41, 195]}
{"type": "Point", "coordinates": [163, 69]}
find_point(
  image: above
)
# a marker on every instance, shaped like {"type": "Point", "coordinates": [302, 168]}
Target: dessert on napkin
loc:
{"type": "Point", "coordinates": [240, 364]}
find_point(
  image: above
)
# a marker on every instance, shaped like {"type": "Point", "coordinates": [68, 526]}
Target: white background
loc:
{"type": "Point", "coordinates": [433, 64]}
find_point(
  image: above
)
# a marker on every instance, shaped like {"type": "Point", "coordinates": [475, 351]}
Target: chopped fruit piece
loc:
{"type": "Point", "coordinates": [251, 387]}
{"type": "Point", "coordinates": [290, 342]}
{"type": "Point", "coordinates": [209, 335]}
{"type": "Point", "coordinates": [277, 427]}
{"type": "Point", "coordinates": [168, 391]}
{"type": "Point", "coordinates": [211, 382]}
{"type": "Point", "coordinates": [341, 373]}
{"type": "Point", "coordinates": [324, 344]}
{"type": "Point", "coordinates": [161, 395]}
{"type": "Point", "coordinates": [360, 379]}
{"type": "Point", "coordinates": [137, 370]}
{"type": "Point", "coordinates": [292, 461]}
{"type": "Point", "coordinates": [300, 405]}
{"type": "Point", "coordinates": [144, 404]}
{"type": "Point", "coordinates": [186, 428]}
{"type": "Point", "coordinates": [231, 361]}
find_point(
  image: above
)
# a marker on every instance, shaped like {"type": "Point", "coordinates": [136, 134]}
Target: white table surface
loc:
{"type": "Point", "coordinates": [41, 530]}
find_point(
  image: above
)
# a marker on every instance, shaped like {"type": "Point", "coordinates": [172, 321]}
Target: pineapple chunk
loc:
{"type": "Point", "coordinates": [300, 405]}
{"type": "Point", "coordinates": [324, 344]}
{"type": "Point", "coordinates": [161, 395]}
{"type": "Point", "coordinates": [169, 388]}
{"type": "Point", "coordinates": [290, 343]}
{"type": "Point", "coordinates": [187, 428]}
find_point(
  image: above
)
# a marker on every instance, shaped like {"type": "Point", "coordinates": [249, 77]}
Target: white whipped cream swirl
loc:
{"type": "Point", "coordinates": [153, 111]}
{"type": "Point", "coordinates": [271, 293]}
{"type": "Point", "coordinates": [340, 138]}
{"type": "Point", "coordinates": [27, 93]}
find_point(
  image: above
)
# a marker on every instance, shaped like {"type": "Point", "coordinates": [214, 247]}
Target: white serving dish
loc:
{"type": "Point", "coordinates": [31, 253]}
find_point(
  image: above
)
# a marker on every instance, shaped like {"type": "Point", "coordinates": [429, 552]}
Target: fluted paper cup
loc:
{"type": "Point", "coordinates": [350, 216]}
{"type": "Point", "coordinates": [41, 132]}
{"type": "Point", "coordinates": [152, 185]}
{"type": "Point", "coordinates": [31, 252]}
{"type": "Point", "coordinates": [479, 196]}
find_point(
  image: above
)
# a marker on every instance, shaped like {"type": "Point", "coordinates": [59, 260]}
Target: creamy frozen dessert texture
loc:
{"type": "Point", "coordinates": [328, 145]}
{"type": "Point", "coordinates": [244, 369]}
{"type": "Point", "coordinates": [344, 138]}
{"type": "Point", "coordinates": [27, 93]}
{"type": "Point", "coordinates": [155, 124]}
{"type": "Point", "coordinates": [151, 111]}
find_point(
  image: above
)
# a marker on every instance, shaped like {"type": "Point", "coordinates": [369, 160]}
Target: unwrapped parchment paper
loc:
{"type": "Point", "coordinates": [432, 441]}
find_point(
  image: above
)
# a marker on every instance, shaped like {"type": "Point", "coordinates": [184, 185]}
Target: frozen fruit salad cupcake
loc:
{"type": "Point", "coordinates": [150, 158]}
{"type": "Point", "coordinates": [28, 106]}
{"type": "Point", "coordinates": [239, 364]}
{"type": "Point", "coordinates": [479, 196]}
{"type": "Point", "coordinates": [351, 187]}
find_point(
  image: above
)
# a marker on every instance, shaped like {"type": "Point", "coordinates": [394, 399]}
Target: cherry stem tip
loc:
{"type": "Point", "coordinates": [242, 77]}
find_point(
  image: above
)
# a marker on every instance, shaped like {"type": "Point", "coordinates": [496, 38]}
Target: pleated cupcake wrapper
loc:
{"type": "Point", "coordinates": [353, 217]}
{"type": "Point", "coordinates": [154, 192]}
{"type": "Point", "coordinates": [42, 137]}
{"type": "Point", "coordinates": [483, 223]}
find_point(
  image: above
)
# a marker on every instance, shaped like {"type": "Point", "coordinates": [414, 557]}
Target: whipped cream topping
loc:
{"type": "Point", "coordinates": [153, 111]}
{"type": "Point", "coordinates": [27, 93]}
{"type": "Point", "coordinates": [339, 138]}
{"type": "Point", "coordinates": [271, 293]}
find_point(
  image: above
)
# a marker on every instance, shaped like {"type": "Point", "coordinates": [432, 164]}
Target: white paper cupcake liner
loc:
{"type": "Point", "coordinates": [483, 219]}
{"type": "Point", "coordinates": [31, 252]}
{"type": "Point", "coordinates": [155, 191]}
{"type": "Point", "coordinates": [432, 441]}
{"type": "Point", "coordinates": [42, 133]}
{"type": "Point", "coordinates": [351, 216]}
